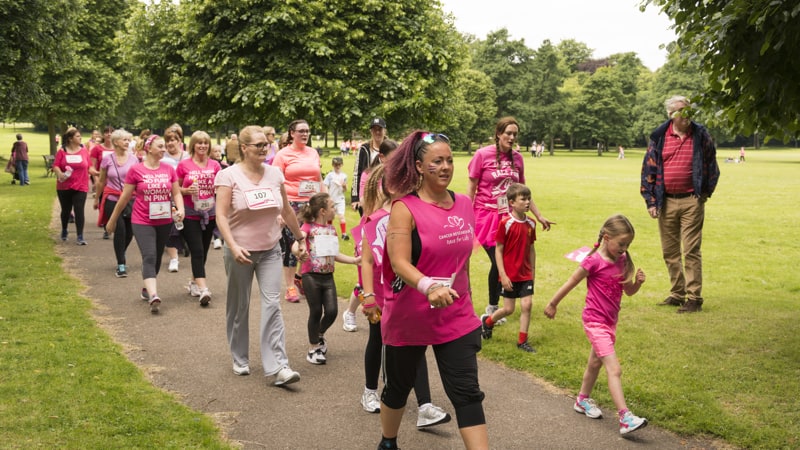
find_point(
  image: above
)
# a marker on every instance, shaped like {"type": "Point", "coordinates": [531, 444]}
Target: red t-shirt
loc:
{"type": "Point", "coordinates": [517, 237]}
{"type": "Point", "coordinates": [677, 155]}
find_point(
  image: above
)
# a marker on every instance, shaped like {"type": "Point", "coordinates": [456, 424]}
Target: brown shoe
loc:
{"type": "Point", "coordinates": [691, 306]}
{"type": "Point", "coordinates": [672, 301]}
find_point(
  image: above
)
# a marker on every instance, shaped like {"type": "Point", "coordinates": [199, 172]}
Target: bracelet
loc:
{"type": "Point", "coordinates": [370, 305]}
{"type": "Point", "coordinates": [301, 238]}
{"type": "Point", "coordinates": [371, 294]}
{"type": "Point", "coordinates": [424, 285]}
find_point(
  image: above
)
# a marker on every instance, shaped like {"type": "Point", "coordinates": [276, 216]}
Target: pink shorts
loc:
{"type": "Point", "coordinates": [602, 337]}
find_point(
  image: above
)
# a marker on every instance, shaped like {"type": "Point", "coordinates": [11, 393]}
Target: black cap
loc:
{"type": "Point", "coordinates": [377, 121]}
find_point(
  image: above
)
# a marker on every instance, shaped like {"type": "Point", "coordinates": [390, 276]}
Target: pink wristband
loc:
{"type": "Point", "coordinates": [424, 284]}
{"type": "Point", "coordinates": [371, 305]}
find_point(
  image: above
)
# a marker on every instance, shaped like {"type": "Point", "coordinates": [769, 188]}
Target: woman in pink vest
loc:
{"type": "Point", "coordinates": [427, 295]}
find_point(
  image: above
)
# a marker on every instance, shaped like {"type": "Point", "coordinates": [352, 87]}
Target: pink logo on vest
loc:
{"type": "Point", "coordinates": [455, 222]}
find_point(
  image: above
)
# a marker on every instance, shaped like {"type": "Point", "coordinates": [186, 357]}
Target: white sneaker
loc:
{"type": "Point", "coordinates": [370, 402]}
{"type": "Point", "coordinates": [630, 422]}
{"type": "Point", "coordinates": [194, 289]}
{"type": "Point", "coordinates": [286, 376]}
{"type": "Point", "coordinates": [349, 321]}
{"type": "Point", "coordinates": [217, 244]}
{"type": "Point", "coordinates": [490, 309]}
{"type": "Point", "coordinates": [589, 407]}
{"type": "Point", "coordinates": [173, 265]}
{"type": "Point", "coordinates": [430, 415]}
{"type": "Point", "coordinates": [316, 356]}
{"type": "Point", "coordinates": [205, 297]}
{"type": "Point", "coordinates": [241, 370]}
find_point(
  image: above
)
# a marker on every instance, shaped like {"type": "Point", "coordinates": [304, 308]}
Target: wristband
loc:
{"type": "Point", "coordinates": [424, 284]}
{"type": "Point", "coordinates": [371, 294]}
{"type": "Point", "coordinates": [370, 305]}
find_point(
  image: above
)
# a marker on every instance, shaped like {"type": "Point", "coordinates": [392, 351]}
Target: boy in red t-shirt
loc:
{"type": "Point", "coordinates": [516, 262]}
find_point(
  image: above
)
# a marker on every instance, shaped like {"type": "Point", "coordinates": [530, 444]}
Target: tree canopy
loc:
{"type": "Point", "coordinates": [748, 51]}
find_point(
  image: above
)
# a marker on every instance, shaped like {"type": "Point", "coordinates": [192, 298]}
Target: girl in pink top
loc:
{"type": "Point", "coordinates": [426, 287]}
{"type": "Point", "coordinates": [156, 189]}
{"type": "Point", "coordinates": [322, 245]}
{"type": "Point", "coordinates": [300, 167]}
{"type": "Point", "coordinates": [491, 172]}
{"type": "Point", "coordinates": [71, 167]}
{"type": "Point", "coordinates": [609, 272]}
{"type": "Point", "coordinates": [196, 179]}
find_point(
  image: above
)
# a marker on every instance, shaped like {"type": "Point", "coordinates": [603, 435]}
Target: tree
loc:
{"type": "Point", "coordinates": [33, 35]}
{"type": "Point", "coordinates": [747, 50]}
{"type": "Point", "coordinates": [474, 105]}
{"type": "Point", "coordinates": [334, 63]}
{"type": "Point", "coordinates": [509, 65]}
{"type": "Point", "coordinates": [605, 106]}
{"type": "Point", "coordinates": [574, 53]}
{"type": "Point", "coordinates": [548, 74]}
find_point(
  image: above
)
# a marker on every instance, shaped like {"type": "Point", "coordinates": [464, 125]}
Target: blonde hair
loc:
{"type": "Point", "coordinates": [198, 137]}
{"type": "Point", "coordinates": [614, 226]}
{"type": "Point", "coordinates": [375, 192]}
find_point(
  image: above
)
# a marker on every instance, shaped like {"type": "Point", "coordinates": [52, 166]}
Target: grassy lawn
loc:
{"type": "Point", "coordinates": [729, 372]}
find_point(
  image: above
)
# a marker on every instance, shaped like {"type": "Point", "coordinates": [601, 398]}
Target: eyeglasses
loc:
{"type": "Point", "coordinates": [429, 138]}
{"type": "Point", "coordinates": [260, 146]}
{"type": "Point", "coordinates": [306, 131]}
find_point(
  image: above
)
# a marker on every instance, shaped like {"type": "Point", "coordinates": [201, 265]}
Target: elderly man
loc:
{"type": "Point", "coordinates": [679, 173]}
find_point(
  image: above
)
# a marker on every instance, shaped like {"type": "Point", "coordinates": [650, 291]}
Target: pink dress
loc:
{"type": "Point", "coordinates": [493, 182]}
{"type": "Point", "coordinates": [446, 236]}
{"type": "Point", "coordinates": [375, 234]}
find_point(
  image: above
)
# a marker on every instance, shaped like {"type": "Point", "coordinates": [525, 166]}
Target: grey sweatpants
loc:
{"type": "Point", "coordinates": [268, 271]}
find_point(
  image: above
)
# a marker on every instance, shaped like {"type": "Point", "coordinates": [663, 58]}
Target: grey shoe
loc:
{"type": "Point", "coordinates": [430, 415]}
{"type": "Point", "coordinates": [286, 376]}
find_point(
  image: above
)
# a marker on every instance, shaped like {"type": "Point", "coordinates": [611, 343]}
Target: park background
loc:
{"type": "Point", "coordinates": [729, 372]}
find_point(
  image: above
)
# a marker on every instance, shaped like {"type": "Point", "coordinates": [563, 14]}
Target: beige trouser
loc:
{"type": "Point", "coordinates": [680, 223]}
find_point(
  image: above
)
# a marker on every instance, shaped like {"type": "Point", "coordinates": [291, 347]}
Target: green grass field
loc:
{"type": "Point", "coordinates": [729, 372]}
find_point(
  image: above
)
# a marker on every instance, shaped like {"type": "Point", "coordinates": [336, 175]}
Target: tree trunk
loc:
{"type": "Point", "coordinates": [51, 131]}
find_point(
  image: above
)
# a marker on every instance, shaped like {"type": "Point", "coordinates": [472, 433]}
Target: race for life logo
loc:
{"type": "Point", "coordinates": [455, 222]}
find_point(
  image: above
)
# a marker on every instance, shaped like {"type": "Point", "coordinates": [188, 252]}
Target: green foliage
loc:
{"type": "Point", "coordinates": [747, 50]}
{"type": "Point", "coordinates": [333, 63]}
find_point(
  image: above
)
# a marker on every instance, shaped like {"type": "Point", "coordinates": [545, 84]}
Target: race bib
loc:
{"type": "Point", "coordinates": [308, 188]}
{"type": "Point", "coordinates": [74, 159]}
{"type": "Point", "coordinates": [326, 245]}
{"type": "Point", "coordinates": [261, 198]}
{"type": "Point", "coordinates": [204, 204]}
{"type": "Point", "coordinates": [502, 205]}
{"type": "Point", "coordinates": [160, 210]}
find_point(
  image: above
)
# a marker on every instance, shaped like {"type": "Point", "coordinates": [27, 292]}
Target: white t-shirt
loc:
{"type": "Point", "coordinates": [335, 183]}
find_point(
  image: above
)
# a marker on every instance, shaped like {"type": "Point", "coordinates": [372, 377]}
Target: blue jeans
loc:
{"type": "Point", "coordinates": [22, 172]}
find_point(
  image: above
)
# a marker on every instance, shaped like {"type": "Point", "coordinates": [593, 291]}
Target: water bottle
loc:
{"type": "Point", "coordinates": [67, 172]}
{"type": "Point", "coordinates": [178, 223]}
{"type": "Point", "coordinates": [196, 196]}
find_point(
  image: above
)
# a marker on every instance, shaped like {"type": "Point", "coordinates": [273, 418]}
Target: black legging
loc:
{"type": "Point", "coordinates": [199, 241]}
{"type": "Point", "coordinates": [494, 278]}
{"type": "Point", "coordinates": [321, 297]}
{"type": "Point", "coordinates": [372, 366]}
{"type": "Point", "coordinates": [123, 234]}
{"type": "Point", "coordinates": [70, 200]}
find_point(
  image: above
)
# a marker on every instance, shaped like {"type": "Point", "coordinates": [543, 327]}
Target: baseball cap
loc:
{"type": "Point", "coordinates": [377, 121]}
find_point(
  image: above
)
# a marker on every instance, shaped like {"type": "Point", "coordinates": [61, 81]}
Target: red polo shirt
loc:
{"type": "Point", "coordinates": [677, 155]}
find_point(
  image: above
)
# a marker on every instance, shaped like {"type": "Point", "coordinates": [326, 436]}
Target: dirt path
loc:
{"type": "Point", "coordinates": [184, 350]}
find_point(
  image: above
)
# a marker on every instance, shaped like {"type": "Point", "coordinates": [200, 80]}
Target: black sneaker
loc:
{"type": "Point", "coordinates": [525, 347]}
{"type": "Point", "coordinates": [345, 237]}
{"type": "Point", "coordinates": [105, 235]}
{"type": "Point", "coordinates": [486, 330]}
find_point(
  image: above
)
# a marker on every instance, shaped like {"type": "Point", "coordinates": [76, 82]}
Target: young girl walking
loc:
{"type": "Point", "coordinates": [609, 270]}
{"type": "Point", "coordinates": [317, 272]}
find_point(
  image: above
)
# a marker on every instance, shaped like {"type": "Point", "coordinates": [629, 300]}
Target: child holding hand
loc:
{"type": "Point", "coordinates": [609, 271]}
{"type": "Point", "coordinates": [317, 271]}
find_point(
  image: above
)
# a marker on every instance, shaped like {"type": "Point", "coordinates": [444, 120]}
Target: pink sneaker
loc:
{"type": "Point", "coordinates": [291, 295]}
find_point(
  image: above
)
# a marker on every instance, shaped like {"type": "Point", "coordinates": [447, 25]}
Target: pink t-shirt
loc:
{"type": "Point", "coordinates": [253, 220]}
{"type": "Point", "coordinates": [188, 173]}
{"type": "Point", "coordinates": [374, 231]}
{"type": "Point", "coordinates": [98, 152]}
{"type": "Point", "coordinates": [604, 288]}
{"type": "Point", "coordinates": [301, 171]}
{"type": "Point", "coordinates": [79, 162]}
{"type": "Point", "coordinates": [153, 190]}
{"type": "Point", "coordinates": [446, 237]}
{"type": "Point", "coordinates": [115, 173]}
{"type": "Point", "coordinates": [316, 263]}
{"type": "Point", "coordinates": [492, 184]}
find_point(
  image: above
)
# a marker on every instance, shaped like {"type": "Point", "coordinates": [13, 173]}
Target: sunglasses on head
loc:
{"type": "Point", "coordinates": [427, 139]}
